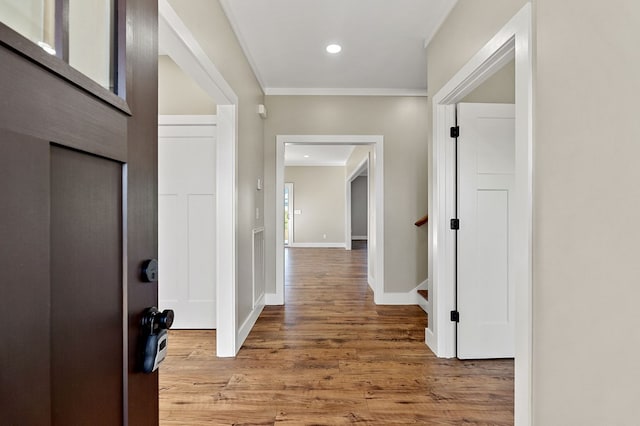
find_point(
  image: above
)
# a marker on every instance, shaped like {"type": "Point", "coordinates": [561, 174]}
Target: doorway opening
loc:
{"type": "Point", "coordinates": [513, 41]}
{"type": "Point", "coordinates": [176, 41]}
{"type": "Point", "coordinates": [372, 144]}
{"type": "Point", "coordinates": [357, 223]}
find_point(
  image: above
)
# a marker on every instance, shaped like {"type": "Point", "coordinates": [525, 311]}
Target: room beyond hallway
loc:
{"type": "Point", "coordinates": [330, 356]}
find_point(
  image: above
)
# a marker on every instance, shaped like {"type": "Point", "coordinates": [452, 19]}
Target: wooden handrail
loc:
{"type": "Point", "coordinates": [424, 219]}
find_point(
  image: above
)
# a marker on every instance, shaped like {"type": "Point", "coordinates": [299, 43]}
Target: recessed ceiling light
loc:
{"type": "Point", "coordinates": [306, 156]}
{"type": "Point", "coordinates": [334, 48]}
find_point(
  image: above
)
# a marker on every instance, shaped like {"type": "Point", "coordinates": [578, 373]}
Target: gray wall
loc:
{"type": "Point", "coordinates": [178, 94]}
{"type": "Point", "coordinates": [499, 88]}
{"type": "Point", "coordinates": [359, 210]}
{"type": "Point", "coordinates": [210, 27]}
{"type": "Point", "coordinates": [469, 26]}
{"type": "Point", "coordinates": [586, 207]}
{"type": "Point", "coordinates": [319, 192]}
{"type": "Point", "coordinates": [402, 122]}
{"type": "Point", "coordinates": [359, 154]}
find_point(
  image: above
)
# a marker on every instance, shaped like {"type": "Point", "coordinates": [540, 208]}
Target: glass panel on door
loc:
{"type": "Point", "coordinates": [34, 19]}
{"type": "Point", "coordinates": [80, 32]}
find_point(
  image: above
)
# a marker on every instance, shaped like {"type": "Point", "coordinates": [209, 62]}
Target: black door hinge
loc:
{"type": "Point", "coordinates": [455, 316]}
{"type": "Point", "coordinates": [455, 131]}
{"type": "Point", "coordinates": [455, 224]}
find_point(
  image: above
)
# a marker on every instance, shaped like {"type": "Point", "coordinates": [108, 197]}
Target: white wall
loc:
{"type": "Point", "coordinates": [178, 94]}
{"type": "Point", "coordinates": [319, 194]}
{"type": "Point", "coordinates": [359, 210]}
{"type": "Point", "coordinates": [401, 120]}
{"type": "Point", "coordinates": [210, 26]}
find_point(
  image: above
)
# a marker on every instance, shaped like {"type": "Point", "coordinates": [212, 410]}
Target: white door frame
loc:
{"type": "Point", "coordinates": [178, 42]}
{"type": "Point", "coordinates": [364, 165]}
{"type": "Point", "coordinates": [291, 213]}
{"type": "Point", "coordinates": [513, 40]}
{"type": "Point", "coordinates": [375, 246]}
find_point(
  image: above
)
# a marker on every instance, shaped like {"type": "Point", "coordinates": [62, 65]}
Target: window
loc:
{"type": "Point", "coordinates": [80, 32]}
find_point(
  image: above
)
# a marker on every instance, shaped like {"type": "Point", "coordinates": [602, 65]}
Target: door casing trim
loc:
{"type": "Point", "coordinates": [291, 223]}
{"type": "Point", "coordinates": [362, 166]}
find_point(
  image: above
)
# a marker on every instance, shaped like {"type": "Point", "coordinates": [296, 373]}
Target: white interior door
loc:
{"type": "Point", "coordinates": [486, 181]}
{"type": "Point", "coordinates": [186, 224]}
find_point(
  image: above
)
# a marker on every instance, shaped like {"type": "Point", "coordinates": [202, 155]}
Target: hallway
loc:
{"type": "Point", "coordinates": [330, 357]}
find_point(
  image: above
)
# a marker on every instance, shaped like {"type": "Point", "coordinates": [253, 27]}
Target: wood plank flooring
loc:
{"type": "Point", "coordinates": [330, 357]}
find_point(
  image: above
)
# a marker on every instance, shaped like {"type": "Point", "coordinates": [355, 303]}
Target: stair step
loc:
{"type": "Point", "coordinates": [424, 293]}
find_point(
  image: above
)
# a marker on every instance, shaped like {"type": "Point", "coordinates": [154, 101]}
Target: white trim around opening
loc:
{"type": "Point", "coordinates": [513, 40]}
{"type": "Point", "coordinates": [376, 239]}
{"type": "Point", "coordinates": [364, 165]}
{"type": "Point", "coordinates": [290, 241]}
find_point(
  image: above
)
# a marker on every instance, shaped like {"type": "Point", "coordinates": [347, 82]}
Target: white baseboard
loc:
{"type": "Point", "coordinates": [273, 299]}
{"type": "Point", "coordinates": [371, 282]}
{"type": "Point", "coordinates": [408, 298]}
{"type": "Point", "coordinates": [424, 285]}
{"type": "Point", "coordinates": [359, 237]}
{"type": "Point", "coordinates": [248, 324]}
{"type": "Point", "coordinates": [318, 245]}
{"type": "Point", "coordinates": [430, 339]}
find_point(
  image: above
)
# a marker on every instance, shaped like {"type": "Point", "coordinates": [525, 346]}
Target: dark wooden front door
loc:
{"type": "Point", "coordinates": [78, 215]}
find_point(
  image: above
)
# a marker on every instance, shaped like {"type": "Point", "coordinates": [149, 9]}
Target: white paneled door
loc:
{"type": "Point", "coordinates": [186, 224]}
{"type": "Point", "coordinates": [486, 181]}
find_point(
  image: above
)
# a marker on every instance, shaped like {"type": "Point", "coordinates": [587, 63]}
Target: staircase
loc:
{"type": "Point", "coordinates": [423, 302]}
{"type": "Point", "coordinates": [423, 295]}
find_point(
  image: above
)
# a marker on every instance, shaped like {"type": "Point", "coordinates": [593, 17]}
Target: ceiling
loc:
{"type": "Point", "coordinates": [383, 44]}
{"type": "Point", "coordinates": [316, 155]}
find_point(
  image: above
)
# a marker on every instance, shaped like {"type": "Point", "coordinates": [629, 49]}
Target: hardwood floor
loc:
{"type": "Point", "coordinates": [329, 357]}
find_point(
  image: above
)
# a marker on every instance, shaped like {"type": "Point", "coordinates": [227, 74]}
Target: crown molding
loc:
{"type": "Point", "coordinates": [315, 91]}
{"type": "Point", "coordinates": [226, 7]}
{"type": "Point", "coordinates": [314, 164]}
